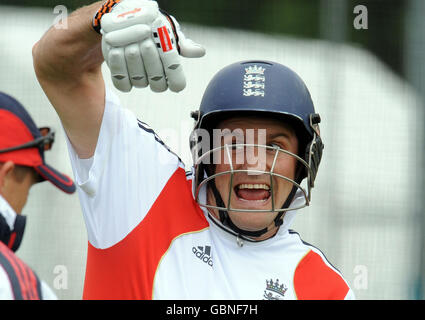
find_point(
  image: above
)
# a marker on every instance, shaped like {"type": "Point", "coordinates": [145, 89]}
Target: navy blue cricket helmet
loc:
{"type": "Point", "coordinates": [266, 89]}
{"type": "Point", "coordinates": [257, 86]}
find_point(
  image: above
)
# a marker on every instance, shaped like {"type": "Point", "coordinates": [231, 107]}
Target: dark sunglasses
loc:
{"type": "Point", "coordinates": [44, 143]}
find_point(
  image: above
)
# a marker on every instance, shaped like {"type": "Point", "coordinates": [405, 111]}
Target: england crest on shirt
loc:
{"type": "Point", "coordinates": [274, 290]}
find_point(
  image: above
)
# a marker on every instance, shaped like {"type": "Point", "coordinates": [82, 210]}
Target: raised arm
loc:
{"type": "Point", "coordinates": [141, 45]}
{"type": "Point", "coordinates": [67, 63]}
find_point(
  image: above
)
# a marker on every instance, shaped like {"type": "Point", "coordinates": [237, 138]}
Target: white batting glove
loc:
{"type": "Point", "coordinates": [140, 47]}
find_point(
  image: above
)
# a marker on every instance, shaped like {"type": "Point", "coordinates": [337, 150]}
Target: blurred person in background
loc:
{"type": "Point", "coordinates": [22, 164]}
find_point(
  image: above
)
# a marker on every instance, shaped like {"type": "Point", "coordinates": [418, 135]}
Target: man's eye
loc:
{"type": "Point", "coordinates": [274, 145]}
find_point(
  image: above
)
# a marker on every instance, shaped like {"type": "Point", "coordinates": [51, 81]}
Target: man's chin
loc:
{"type": "Point", "coordinates": [252, 220]}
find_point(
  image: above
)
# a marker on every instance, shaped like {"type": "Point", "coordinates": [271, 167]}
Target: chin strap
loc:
{"type": "Point", "coordinates": [227, 221]}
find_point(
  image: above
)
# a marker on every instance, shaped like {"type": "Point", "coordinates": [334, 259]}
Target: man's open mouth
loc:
{"type": "Point", "coordinates": [253, 191]}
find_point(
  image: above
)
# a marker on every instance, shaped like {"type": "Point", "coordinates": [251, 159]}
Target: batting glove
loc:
{"type": "Point", "coordinates": [142, 45]}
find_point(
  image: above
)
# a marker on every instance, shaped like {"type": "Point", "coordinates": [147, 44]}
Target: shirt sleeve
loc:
{"type": "Point", "coordinates": [128, 170]}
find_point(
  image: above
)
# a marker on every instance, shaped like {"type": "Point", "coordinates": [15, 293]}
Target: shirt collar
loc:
{"type": "Point", "coordinates": [7, 212]}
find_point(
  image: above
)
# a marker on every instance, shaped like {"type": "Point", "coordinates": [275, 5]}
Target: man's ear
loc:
{"type": "Point", "coordinates": [6, 170]}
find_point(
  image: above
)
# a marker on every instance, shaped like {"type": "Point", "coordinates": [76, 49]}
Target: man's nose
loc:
{"type": "Point", "coordinates": [255, 159]}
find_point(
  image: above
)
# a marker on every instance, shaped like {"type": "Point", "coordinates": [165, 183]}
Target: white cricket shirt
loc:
{"type": "Point", "coordinates": [149, 239]}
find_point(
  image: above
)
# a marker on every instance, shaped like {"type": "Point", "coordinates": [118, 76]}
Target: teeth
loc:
{"type": "Point", "coordinates": [253, 186]}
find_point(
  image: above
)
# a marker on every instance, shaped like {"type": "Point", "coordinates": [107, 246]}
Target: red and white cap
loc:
{"type": "Point", "coordinates": [24, 144]}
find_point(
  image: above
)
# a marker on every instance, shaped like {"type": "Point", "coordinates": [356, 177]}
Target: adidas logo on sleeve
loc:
{"type": "Point", "coordinates": [203, 254]}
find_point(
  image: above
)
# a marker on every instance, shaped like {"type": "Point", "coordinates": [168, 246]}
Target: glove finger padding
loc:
{"type": "Point", "coordinates": [141, 46]}
{"type": "Point", "coordinates": [135, 66]}
{"type": "Point", "coordinates": [118, 67]}
{"type": "Point", "coordinates": [124, 30]}
{"type": "Point", "coordinates": [127, 38]}
{"type": "Point", "coordinates": [153, 66]}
